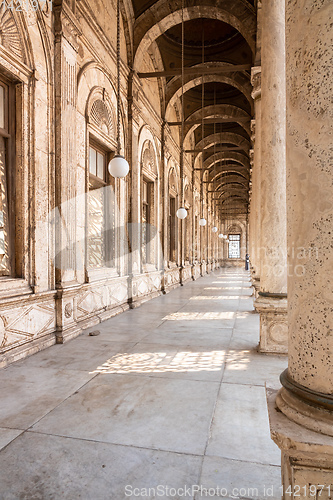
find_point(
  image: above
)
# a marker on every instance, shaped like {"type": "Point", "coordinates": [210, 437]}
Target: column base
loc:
{"type": "Point", "coordinates": [256, 286]}
{"type": "Point", "coordinates": [306, 407]}
{"type": "Point", "coordinates": [273, 323]}
{"type": "Point", "coordinates": [307, 456]}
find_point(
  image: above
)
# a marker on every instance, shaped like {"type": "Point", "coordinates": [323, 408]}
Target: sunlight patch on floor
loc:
{"type": "Point", "coordinates": [191, 316]}
{"type": "Point", "coordinates": [238, 360]}
{"type": "Point", "coordinates": [159, 362]}
{"type": "Point", "coordinates": [227, 287]}
{"type": "Point", "coordinates": [215, 297]}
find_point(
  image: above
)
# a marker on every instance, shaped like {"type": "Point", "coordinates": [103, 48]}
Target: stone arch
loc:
{"type": "Point", "coordinates": [100, 112]}
{"type": "Point", "coordinates": [230, 172]}
{"type": "Point", "coordinates": [187, 192]}
{"type": "Point", "coordinates": [147, 139]}
{"type": "Point", "coordinates": [235, 228]}
{"type": "Point", "coordinates": [156, 58]}
{"type": "Point", "coordinates": [163, 15]}
{"type": "Point", "coordinates": [235, 157]}
{"type": "Point", "coordinates": [230, 180]}
{"type": "Point", "coordinates": [92, 80]}
{"type": "Point", "coordinates": [173, 180]}
{"type": "Point", "coordinates": [224, 137]}
{"type": "Point", "coordinates": [238, 115]}
{"type": "Point", "coordinates": [239, 80]}
{"type": "Point", "coordinates": [127, 16]}
{"type": "Point", "coordinates": [233, 196]}
{"type": "Point", "coordinates": [148, 159]}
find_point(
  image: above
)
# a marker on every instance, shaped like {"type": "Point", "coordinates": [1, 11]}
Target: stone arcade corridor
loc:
{"type": "Point", "coordinates": [170, 394]}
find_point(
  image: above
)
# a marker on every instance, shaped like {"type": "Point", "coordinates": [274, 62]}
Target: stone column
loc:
{"type": "Point", "coordinates": [192, 213]}
{"type": "Point", "coordinates": [256, 180]}
{"type": "Point", "coordinates": [202, 229]}
{"type": "Point", "coordinates": [272, 300]}
{"type": "Point", "coordinates": [304, 429]}
{"type": "Point", "coordinates": [207, 230]}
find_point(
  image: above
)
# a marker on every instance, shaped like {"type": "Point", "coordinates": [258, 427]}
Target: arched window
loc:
{"type": "Point", "coordinates": [234, 246]}
{"type": "Point", "coordinates": [7, 150]}
{"type": "Point", "coordinates": [188, 225]}
{"type": "Point", "coordinates": [102, 212]}
{"type": "Point", "coordinates": [172, 222]}
{"type": "Point", "coordinates": [148, 205]}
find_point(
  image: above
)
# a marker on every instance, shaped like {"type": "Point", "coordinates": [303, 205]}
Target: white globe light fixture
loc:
{"type": "Point", "coordinates": [181, 213]}
{"type": "Point", "coordinates": [225, 236]}
{"type": "Point", "coordinates": [202, 222]}
{"type": "Point", "coordinates": [118, 166]}
{"type": "Point", "coordinates": [221, 236]}
{"type": "Point", "coordinates": [214, 229]}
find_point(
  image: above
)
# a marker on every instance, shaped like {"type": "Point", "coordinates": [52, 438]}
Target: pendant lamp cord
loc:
{"type": "Point", "coordinates": [202, 117]}
{"type": "Point", "coordinates": [118, 78]}
{"type": "Point", "coordinates": [214, 152]}
{"type": "Point", "coordinates": [182, 118]}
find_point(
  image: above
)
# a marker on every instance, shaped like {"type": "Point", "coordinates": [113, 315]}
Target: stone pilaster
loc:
{"type": "Point", "coordinates": [164, 228]}
{"type": "Point", "coordinates": [272, 301]}
{"type": "Point", "coordinates": [303, 426]}
{"type": "Point", "coordinates": [134, 216]}
{"type": "Point", "coordinates": [68, 261]}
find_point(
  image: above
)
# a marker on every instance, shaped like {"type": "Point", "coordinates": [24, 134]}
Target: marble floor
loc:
{"type": "Point", "coordinates": [168, 401]}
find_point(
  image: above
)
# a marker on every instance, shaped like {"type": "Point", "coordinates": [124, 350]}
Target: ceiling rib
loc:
{"type": "Point", "coordinates": [211, 120]}
{"type": "Point", "coordinates": [210, 70]}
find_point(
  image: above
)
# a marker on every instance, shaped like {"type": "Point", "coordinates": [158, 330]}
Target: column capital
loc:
{"type": "Point", "coordinates": [256, 82]}
{"type": "Point", "coordinates": [251, 157]}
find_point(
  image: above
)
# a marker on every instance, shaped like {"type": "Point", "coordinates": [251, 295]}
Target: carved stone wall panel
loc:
{"type": "Point", "coordinates": [146, 284]}
{"type": "Point", "coordinates": [186, 273]}
{"type": "Point", "coordinates": [196, 271]}
{"type": "Point", "coordinates": [98, 297]}
{"type": "Point", "coordinates": [25, 323]}
{"type": "Point", "coordinates": [119, 293]}
{"type": "Point", "coordinates": [90, 301]}
{"type": "Point", "coordinates": [171, 277]}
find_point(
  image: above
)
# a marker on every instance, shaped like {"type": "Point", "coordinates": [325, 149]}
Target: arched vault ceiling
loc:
{"type": "Point", "coordinates": [239, 80]}
{"type": "Point", "coordinates": [163, 15]}
{"type": "Point", "coordinates": [224, 111]}
{"type": "Point", "coordinates": [214, 179]}
{"type": "Point", "coordinates": [228, 178]}
{"type": "Point", "coordinates": [220, 138]}
{"type": "Point", "coordinates": [237, 157]}
{"type": "Point", "coordinates": [215, 95]}
{"type": "Point", "coordinates": [232, 193]}
{"type": "Point", "coordinates": [232, 187]}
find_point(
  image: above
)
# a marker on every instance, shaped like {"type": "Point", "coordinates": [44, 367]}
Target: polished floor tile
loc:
{"type": "Point", "coordinates": [43, 467]}
{"type": "Point", "coordinates": [240, 428]}
{"type": "Point", "coordinates": [145, 412]}
{"type": "Point", "coordinates": [170, 394]}
{"type": "Point", "coordinates": [238, 479]}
